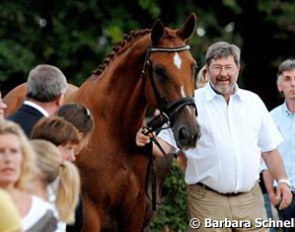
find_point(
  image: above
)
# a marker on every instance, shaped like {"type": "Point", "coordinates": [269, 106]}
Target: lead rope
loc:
{"type": "Point", "coordinates": [151, 168]}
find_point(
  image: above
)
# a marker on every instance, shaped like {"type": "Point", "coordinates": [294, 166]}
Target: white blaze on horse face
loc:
{"type": "Point", "coordinates": [177, 61]}
{"type": "Point", "coordinates": [182, 92]}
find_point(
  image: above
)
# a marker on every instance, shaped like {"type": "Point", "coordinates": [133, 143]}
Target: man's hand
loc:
{"type": "Point", "coordinates": [284, 195]}
{"type": "Point", "coordinates": [274, 200]}
{"type": "Point", "coordinates": [141, 139]}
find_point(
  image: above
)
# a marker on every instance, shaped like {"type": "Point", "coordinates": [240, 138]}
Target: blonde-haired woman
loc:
{"type": "Point", "coordinates": [64, 174]}
{"type": "Point", "coordinates": [202, 78]}
{"type": "Point", "coordinates": [17, 165]}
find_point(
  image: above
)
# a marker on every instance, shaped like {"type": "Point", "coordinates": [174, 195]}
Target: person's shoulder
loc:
{"type": "Point", "coordinates": [45, 221]}
{"type": "Point", "coordinates": [10, 220]}
{"type": "Point", "coordinates": [16, 113]}
{"type": "Point", "coordinates": [277, 110]}
{"type": "Point", "coordinates": [201, 91]}
{"type": "Point", "coordinates": [248, 95]}
{"type": "Point", "coordinates": [25, 110]}
{"type": "Point", "coordinates": [40, 202]}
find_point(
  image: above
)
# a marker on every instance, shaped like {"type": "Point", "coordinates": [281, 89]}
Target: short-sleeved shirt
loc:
{"type": "Point", "coordinates": [233, 135]}
{"type": "Point", "coordinates": [285, 121]}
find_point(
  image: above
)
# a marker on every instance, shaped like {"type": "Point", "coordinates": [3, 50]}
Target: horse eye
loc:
{"type": "Point", "coordinates": [159, 71]}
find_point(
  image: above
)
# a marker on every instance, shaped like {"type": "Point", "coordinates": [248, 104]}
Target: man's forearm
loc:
{"type": "Point", "coordinates": [268, 181]}
{"type": "Point", "coordinates": [165, 146]}
{"type": "Point", "coordinates": [275, 164]}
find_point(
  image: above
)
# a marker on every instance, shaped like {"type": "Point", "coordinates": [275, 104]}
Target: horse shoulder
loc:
{"type": "Point", "coordinates": [15, 98]}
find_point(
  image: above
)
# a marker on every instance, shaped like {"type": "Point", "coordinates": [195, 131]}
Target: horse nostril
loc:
{"type": "Point", "coordinates": [186, 137]}
{"type": "Point", "coordinates": [197, 136]}
{"type": "Point", "coordinates": [183, 134]}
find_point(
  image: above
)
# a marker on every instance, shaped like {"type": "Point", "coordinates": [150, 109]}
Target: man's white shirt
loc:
{"type": "Point", "coordinates": [228, 153]}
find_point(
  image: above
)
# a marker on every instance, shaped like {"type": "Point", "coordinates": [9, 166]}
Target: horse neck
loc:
{"type": "Point", "coordinates": [129, 88]}
{"type": "Point", "coordinates": [119, 89]}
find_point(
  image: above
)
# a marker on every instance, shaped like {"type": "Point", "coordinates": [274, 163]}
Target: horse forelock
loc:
{"type": "Point", "coordinates": [129, 37]}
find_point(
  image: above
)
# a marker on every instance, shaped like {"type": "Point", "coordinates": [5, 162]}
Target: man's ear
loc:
{"type": "Point", "coordinates": [60, 100]}
{"type": "Point", "coordinates": [279, 88]}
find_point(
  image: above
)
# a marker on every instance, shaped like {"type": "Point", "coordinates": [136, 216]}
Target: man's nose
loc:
{"type": "Point", "coordinates": [72, 156]}
{"type": "Point", "coordinates": [223, 71]}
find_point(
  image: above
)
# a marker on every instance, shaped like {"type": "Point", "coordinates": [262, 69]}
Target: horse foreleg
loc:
{"type": "Point", "coordinates": [92, 218]}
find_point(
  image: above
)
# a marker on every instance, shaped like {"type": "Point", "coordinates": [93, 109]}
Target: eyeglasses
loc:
{"type": "Point", "coordinates": [218, 68]}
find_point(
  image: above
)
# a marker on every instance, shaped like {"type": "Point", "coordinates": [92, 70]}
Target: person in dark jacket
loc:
{"type": "Point", "coordinates": [46, 86]}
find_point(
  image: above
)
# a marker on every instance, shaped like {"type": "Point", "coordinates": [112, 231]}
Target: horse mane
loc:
{"type": "Point", "coordinates": [118, 47]}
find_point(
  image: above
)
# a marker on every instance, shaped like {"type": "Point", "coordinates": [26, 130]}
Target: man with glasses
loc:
{"type": "Point", "coordinates": [223, 169]}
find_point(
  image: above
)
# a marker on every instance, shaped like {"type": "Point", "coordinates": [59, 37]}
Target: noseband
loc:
{"type": "Point", "coordinates": [168, 108]}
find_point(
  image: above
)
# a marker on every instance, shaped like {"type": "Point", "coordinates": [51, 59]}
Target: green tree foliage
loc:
{"type": "Point", "coordinates": [76, 35]}
{"type": "Point", "coordinates": [73, 35]}
{"type": "Point", "coordinates": [172, 214]}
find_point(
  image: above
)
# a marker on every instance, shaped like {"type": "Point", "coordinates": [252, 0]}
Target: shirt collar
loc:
{"type": "Point", "coordinates": [211, 94]}
{"type": "Point", "coordinates": [37, 107]}
{"type": "Point", "coordinates": [286, 111]}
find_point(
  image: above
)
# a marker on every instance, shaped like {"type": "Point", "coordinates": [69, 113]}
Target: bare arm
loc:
{"type": "Point", "coordinates": [268, 182]}
{"type": "Point", "coordinates": [276, 167]}
{"type": "Point", "coordinates": [142, 139]}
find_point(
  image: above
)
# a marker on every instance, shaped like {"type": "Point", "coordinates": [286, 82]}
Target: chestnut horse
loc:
{"type": "Point", "coordinates": [149, 67]}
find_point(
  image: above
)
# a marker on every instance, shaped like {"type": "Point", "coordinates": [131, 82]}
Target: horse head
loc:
{"type": "Point", "coordinates": [170, 70]}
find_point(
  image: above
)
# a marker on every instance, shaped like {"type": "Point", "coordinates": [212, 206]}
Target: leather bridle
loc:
{"type": "Point", "coordinates": [168, 108]}
{"type": "Point", "coordinates": [167, 113]}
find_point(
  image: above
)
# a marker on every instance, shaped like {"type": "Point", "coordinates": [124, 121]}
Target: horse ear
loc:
{"type": "Point", "coordinates": [188, 27]}
{"type": "Point", "coordinates": [158, 30]}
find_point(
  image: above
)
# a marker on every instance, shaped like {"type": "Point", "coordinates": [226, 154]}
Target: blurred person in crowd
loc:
{"type": "Point", "coordinates": [81, 117]}
{"type": "Point", "coordinates": [3, 106]}
{"type": "Point", "coordinates": [10, 221]}
{"type": "Point", "coordinates": [284, 117]}
{"type": "Point", "coordinates": [57, 181]}
{"type": "Point", "coordinates": [61, 133]}
{"type": "Point", "coordinates": [17, 167]}
{"type": "Point", "coordinates": [46, 87]}
{"type": "Point", "coordinates": [202, 78]}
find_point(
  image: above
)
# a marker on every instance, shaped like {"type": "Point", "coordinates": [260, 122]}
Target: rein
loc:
{"type": "Point", "coordinates": [167, 113]}
{"type": "Point", "coordinates": [153, 126]}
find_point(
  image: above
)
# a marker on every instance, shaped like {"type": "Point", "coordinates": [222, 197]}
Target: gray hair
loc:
{"type": "Point", "coordinates": [284, 66]}
{"type": "Point", "coordinates": [46, 83]}
{"type": "Point", "coordinates": [223, 49]}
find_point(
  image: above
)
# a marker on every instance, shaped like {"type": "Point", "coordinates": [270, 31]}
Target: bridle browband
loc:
{"type": "Point", "coordinates": [177, 49]}
{"type": "Point", "coordinates": [168, 108]}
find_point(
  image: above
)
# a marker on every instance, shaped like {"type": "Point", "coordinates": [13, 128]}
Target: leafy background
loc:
{"type": "Point", "coordinates": [76, 35]}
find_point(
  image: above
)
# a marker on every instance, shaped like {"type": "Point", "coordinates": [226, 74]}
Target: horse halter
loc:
{"type": "Point", "coordinates": [168, 110]}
